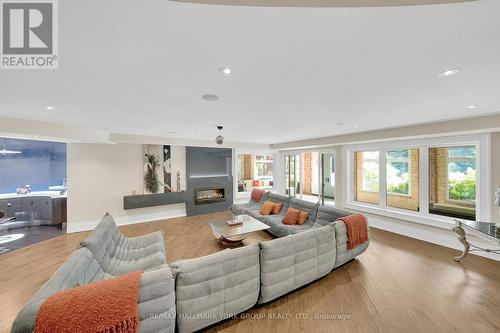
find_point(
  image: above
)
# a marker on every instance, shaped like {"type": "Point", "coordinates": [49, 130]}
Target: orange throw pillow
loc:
{"type": "Point", "coordinates": [267, 208]}
{"type": "Point", "coordinates": [256, 194]}
{"type": "Point", "coordinates": [302, 218]}
{"type": "Point", "coordinates": [291, 216]}
{"type": "Point", "coordinates": [277, 208]}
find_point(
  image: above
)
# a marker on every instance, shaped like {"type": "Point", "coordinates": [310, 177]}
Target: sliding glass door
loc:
{"type": "Point", "coordinates": [292, 175]}
{"type": "Point", "coordinates": [311, 177]}
{"type": "Point", "coordinates": [327, 178]}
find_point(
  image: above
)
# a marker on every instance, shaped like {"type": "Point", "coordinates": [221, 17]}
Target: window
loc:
{"type": "Point", "coordinates": [39, 164]}
{"type": "Point", "coordinates": [398, 172]}
{"type": "Point", "coordinates": [367, 176]}
{"type": "Point", "coordinates": [402, 179]}
{"type": "Point", "coordinates": [425, 180]}
{"type": "Point", "coordinates": [369, 171]}
{"type": "Point", "coordinates": [264, 166]}
{"type": "Point", "coordinates": [462, 174]}
{"type": "Point", "coordinates": [452, 181]}
{"type": "Point", "coordinates": [255, 171]}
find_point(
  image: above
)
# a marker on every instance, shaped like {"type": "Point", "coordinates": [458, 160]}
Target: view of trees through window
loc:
{"type": "Point", "coordinates": [452, 181]}
{"type": "Point", "coordinates": [366, 164]}
{"type": "Point", "coordinates": [370, 171]}
{"type": "Point", "coordinates": [398, 172]}
{"type": "Point", "coordinates": [462, 173]}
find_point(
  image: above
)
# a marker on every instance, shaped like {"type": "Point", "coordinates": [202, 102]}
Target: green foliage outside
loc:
{"type": "Point", "coordinates": [401, 188]}
{"type": "Point", "coordinates": [463, 188]}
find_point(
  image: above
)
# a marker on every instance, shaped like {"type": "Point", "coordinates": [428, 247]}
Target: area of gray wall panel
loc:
{"type": "Point", "coordinates": [152, 200]}
{"type": "Point", "coordinates": [208, 167]}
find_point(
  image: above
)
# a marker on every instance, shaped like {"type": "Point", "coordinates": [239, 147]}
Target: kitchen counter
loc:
{"type": "Point", "coordinates": [51, 194]}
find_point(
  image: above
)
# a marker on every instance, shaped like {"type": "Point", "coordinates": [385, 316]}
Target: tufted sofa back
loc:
{"type": "Point", "coordinates": [290, 262]}
{"type": "Point", "coordinates": [282, 199]}
{"type": "Point", "coordinates": [310, 208]}
{"type": "Point", "coordinates": [211, 288]}
{"type": "Point", "coordinates": [327, 215]}
{"type": "Point", "coordinates": [118, 254]}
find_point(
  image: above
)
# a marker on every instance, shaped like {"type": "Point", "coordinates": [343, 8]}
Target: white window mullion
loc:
{"type": "Point", "coordinates": [382, 178]}
{"type": "Point", "coordinates": [423, 181]}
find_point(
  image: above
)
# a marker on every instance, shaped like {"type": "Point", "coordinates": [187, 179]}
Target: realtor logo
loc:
{"type": "Point", "coordinates": [29, 34]}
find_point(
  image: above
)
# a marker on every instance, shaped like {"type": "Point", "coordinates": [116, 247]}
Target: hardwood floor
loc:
{"type": "Point", "coordinates": [399, 285]}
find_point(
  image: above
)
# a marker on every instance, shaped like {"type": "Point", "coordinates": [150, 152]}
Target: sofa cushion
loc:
{"type": "Point", "coordinates": [255, 213]}
{"type": "Point", "coordinates": [276, 208]}
{"type": "Point", "coordinates": [311, 208]}
{"type": "Point", "coordinates": [290, 262]}
{"type": "Point", "coordinates": [291, 216]}
{"type": "Point", "coordinates": [156, 301]}
{"type": "Point", "coordinates": [212, 288]}
{"type": "Point", "coordinates": [327, 215]}
{"type": "Point", "coordinates": [343, 253]}
{"type": "Point", "coordinates": [118, 254]}
{"type": "Point", "coordinates": [302, 218]}
{"type": "Point", "coordinates": [239, 209]}
{"type": "Point", "coordinates": [256, 194]}
{"type": "Point", "coordinates": [279, 229]}
{"type": "Point", "coordinates": [267, 208]}
{"type": "Point", "coordinates": [282, 199]}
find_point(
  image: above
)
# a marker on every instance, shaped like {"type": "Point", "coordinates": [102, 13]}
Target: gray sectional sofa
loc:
{"type": "Point", "coordinates": [106, 253]}
{"type": "Point", "coordinates": [189, 295]}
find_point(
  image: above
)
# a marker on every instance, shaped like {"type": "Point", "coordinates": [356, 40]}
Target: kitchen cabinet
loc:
{"type": "Point", "coordinates": [43, 209]}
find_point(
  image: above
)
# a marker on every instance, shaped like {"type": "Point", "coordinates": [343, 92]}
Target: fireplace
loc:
{"type": "Point", "coordinates": [209, 194]}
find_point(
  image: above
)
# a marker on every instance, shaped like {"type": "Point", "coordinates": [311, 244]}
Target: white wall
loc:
{"type": "Point", "coordinates": [99, 176]}
{"type": "Point", "coordinates": [178, 164]}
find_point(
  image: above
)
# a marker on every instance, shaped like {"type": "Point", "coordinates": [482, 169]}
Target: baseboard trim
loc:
{"type": "Point", "coordinates": [176, 210]}
{"type": "Point", "coordinates": [439, 236]}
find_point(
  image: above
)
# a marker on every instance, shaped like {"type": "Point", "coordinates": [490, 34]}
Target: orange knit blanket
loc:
{"type": "Point", "coordinates": [107, 306]}
{"type": "Point", "coordinates": [357, 230]}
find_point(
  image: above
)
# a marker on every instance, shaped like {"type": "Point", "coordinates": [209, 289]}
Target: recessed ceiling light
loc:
{"type": "Point", "coordinates": [355, 126]}
{"type": "Point", "coordinates": [173, 132]}
{"type": "Point", "coordinates": [50, 108]}
{"type": "Point", "coordinates": [473, 106]}
{"type": "Point", "coordinates": [338, 123]}
{"type": "Point", "coordinates": [225, 70]}
{"type": "Point", "coordinates": [449, 72]}
{"type": "Point", "coordinates": [211, 98]}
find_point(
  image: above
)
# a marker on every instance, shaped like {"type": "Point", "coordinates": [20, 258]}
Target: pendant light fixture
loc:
{"type": "Point", "coordinates": [219, 139]}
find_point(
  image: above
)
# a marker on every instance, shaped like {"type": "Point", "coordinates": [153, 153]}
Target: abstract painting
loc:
{"type": "Point", "coordinates": [157, 169]}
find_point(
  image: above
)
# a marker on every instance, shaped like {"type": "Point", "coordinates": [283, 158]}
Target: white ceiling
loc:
{"type": "Point", "coordinates": [140, 67]}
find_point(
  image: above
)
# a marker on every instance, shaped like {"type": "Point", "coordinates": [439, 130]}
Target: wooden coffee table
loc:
{"type": "Point", "coordinates": [234, 235]}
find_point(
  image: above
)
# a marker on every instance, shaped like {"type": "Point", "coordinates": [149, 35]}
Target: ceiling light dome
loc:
{"type": "Point", "coordinates": [449, 72]}
{"type": "Point", "coordinates": [323, 3]}
{"type": "Point", "coordinates": [226, 70]}
{"type": "Point", "coordinates": [211, 98]}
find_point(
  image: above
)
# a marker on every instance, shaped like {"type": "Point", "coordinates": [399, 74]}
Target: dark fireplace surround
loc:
{"type": "Point", "coordinates": [206, 195]}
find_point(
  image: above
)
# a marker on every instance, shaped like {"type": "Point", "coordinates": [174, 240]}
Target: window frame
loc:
{"type": "Point", "coordinates": [236, 167]}
{"type": "Point", "coordinates": [264, 161]}
{"type": "Point", "coordinates": [362, 169]}
{"type": "Point", "coordinates": [408, 160]}
{"type": "Point", "coordinates": [448, 158]}
{"type": "Point", "coordinates": [481, 141]}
